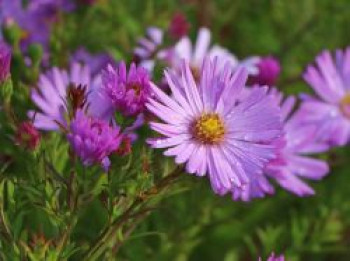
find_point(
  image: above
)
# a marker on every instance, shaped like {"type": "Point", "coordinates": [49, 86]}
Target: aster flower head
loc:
{"type": "Point", "coordinates": [147, 50]}
{"type": "Point", "coordinates": [59, 93]}
{"type": "Point", "coordinates": [5, 61]}
{"type": "Point", "coordinates": [293, 163]}
{"type": "Point", "coordinates": [268, 71]}
{"type": "Point", "coordinates": [330, 110]}
{"type": "Point", "coordinates": [93, 140]}
{"type": "Point", "coordinates": [229, 141]}
{"type": "Point", "coordinates": [127, 91]}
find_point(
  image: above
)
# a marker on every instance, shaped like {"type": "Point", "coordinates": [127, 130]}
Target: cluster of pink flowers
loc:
{"type": "Point", "coordinates": [219, 116]}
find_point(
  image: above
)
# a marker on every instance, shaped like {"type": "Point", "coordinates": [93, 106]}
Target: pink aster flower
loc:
{"type": "Point", "coordinates": [294, 162]}
{"type": "Point", "coordinates": [93, 140]}
{"type": "Point", "coordinates": [231, 142]}
{"type": "Point", "coordinates": [127, 91]}
{"type": "Point", "coordinates": [57, 92]}
{"type": "Point", "coordinates": [195, 54]}
{"type": "Point", "coordinates": [330, 110]}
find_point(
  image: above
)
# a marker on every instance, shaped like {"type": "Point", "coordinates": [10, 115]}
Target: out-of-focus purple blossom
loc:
{"type": "Point", "coordinates": [147, 50]}
{"type": "Point", "coordinates": [293, 162]}
{"type": "Point", "coordinates": [35, 18]}
{"type": "Point", "coordinates": [268, 71]}
{"type": "Point", "coordinates": [195, 54]}
{"type": "Point", "coordinates": [272, 257]}
{"type": "Point", "coordinates": [231, 142]}
{"type": "Point", "coordinates": [127, 91]}
{"type": "Point", "coordinates": [93, 140]}
{"type": "Point", "coordinates": [27, 135]}
{"type": "Point", "coordinates": [96, 62]}
{"type": "Point", "coordinates": [53, 93]}
{"type": "Point", "coordinates": [5, 61]}
{"type": "Point", "coordinates": [179, 26]}
{"type": "Point", "coordinates": [330, 111]}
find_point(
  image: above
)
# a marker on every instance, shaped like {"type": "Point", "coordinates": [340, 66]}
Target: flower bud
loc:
{"type": "Point", "coordinates": [27, 135]}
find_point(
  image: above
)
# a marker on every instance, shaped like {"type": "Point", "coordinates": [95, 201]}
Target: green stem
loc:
{"type": "Point", "coordinates": [110, 231]}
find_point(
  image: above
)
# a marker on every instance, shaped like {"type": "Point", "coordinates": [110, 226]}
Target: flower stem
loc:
{"type": "Point", "coordinates": [109, 233]}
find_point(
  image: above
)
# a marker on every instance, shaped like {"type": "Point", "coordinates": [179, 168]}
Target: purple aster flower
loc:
{"type": "Point", "coordinates": [58, 92]}
{"type": "Point", "coordinates": [272, 257]}
{"type": "Point", "coordinates": [127, 91]}
{"type": "Point", "coordinates": [330, 111]}
{"type": "Point", "coordinates": [268, 71]}
{"type": "Point", "coordinates": [96, 62]}
{"type": "Point", "coordinates": [293, 163]}
{"type": "Point", "coordinates": [231, 142]}
{"type": "Point", "coordinates": [5, 61]}
{"type": "Point", "coordinates": [93, 140]}
{"type": "Point", "coordinates": [147, 50]}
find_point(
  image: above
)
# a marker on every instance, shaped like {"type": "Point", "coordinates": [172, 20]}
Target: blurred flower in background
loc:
{"type": "Point", "coordinates": [330, 110]}
{"type": "Point", "coordinates": [147, 51]}
{"type": "Point", "coordinates": [27, 135]}
{"type": "Point", "coordinates": [96, 62]}
{"type": "Point", "coordinates": [179, 26]}
{"type": "Point", "coordinates": [268, 71]}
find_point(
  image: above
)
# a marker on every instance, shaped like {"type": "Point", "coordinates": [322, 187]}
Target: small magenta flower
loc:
{"type": "Point", "coordinates": [27, 135]}
{"type": "Point", "coordinates": [5, 61]}
{"type": "Point", "coordinates": [127, 91]}
{"type": "Point", "coordinates": [330, 110]}
{"type": "Point", "coordinates": [229, 141]}
{"type": "Point", "coordinates": [179, 26]}
{"type": "Point", "coordinates": [93, 140]}
{"type": "Point", "coordinates": [268, 71]}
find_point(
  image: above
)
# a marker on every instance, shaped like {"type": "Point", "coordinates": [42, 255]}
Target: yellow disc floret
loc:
{"type": "Point", "coordinates": [345, 105]}
{"type": "Point", "coordinates": [209, 128]}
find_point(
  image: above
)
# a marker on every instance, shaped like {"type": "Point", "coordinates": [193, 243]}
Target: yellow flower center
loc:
{"type": "Point", "coordinates": [209, 128]}
{"type": "Point", "coordinates": [345, 105]}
